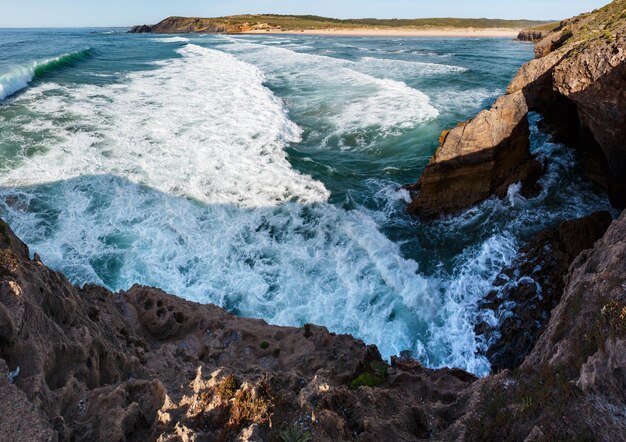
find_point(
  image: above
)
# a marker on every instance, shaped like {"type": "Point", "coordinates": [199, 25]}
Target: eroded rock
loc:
{"type": "Point", "coordinates": [478, 159]}
{"type": "Point", "coordinates": [578, 84]}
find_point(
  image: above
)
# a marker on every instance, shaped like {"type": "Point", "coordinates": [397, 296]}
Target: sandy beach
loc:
{"type": "Point", "coordinates": [405, 32]}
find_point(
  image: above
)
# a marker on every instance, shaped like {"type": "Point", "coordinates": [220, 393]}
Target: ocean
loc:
{"type": "Point", "coordinates": [261, 173]}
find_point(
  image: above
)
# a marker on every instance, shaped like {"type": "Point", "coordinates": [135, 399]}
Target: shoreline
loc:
{"type": "Point", "coordinates": [365, 32]}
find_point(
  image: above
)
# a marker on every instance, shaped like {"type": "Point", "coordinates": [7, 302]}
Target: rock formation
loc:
{"type": "Point", "coordinates": [91, 365]}
{"type": "Point", "coordinates": [85, 364]}
{"type": "Point", "coordinates": [578, 83]}
{"type": "Point", "coordinates": [533, 35]}
{"type": "Point", "coordinates": [478, 159]}
{"type": "Point", "coordinates": [188, 25]}
{"type": "Point", "coordinates": [532, 286]}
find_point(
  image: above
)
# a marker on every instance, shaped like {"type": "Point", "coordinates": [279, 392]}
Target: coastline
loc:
{"type": "Point", "coordinates": [391, 32]}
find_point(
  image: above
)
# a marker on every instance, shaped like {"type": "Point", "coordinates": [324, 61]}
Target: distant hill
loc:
{"type": "Point", "coordinates": [248, 23]}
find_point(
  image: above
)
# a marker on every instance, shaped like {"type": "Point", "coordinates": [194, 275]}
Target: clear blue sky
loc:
{"type": "Point", "coordinates": [35, 13]}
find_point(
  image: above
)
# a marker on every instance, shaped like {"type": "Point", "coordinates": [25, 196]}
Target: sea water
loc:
{"type": "Point", "coordinates": [261, 173]}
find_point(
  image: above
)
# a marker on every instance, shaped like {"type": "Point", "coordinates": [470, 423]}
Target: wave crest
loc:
{"type": "Point", "coordinates": [20, 76]}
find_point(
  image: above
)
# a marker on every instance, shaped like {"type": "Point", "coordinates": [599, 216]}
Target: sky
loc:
{"type": "Point", "coordinates": [87, 13]}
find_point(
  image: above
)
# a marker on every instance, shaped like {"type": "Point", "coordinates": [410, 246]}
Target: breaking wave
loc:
{"type": "Point", "coordinates": [20, 76]}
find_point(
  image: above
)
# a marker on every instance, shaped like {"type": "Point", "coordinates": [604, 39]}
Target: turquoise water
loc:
{"type": "Point", "coordinates": [260, 173]}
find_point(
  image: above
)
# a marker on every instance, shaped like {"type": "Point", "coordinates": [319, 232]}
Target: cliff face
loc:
{"type": "Point", "coordinates": [539, 33]}
{"type": "Point", "coordinates": [91, 365]}
{"type": "Point", "coordinates": [186, 25]}
{"type": "Point", "coordinates": [578, 83]}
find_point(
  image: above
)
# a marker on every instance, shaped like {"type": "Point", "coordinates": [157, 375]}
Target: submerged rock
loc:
{"type": "Point", "coordinates": [532, 286]}
{"type": "Point", "coordinates": [578, 84]}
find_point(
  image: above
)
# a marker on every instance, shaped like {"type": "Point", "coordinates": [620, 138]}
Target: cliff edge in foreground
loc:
{"type": "Point", "coordinates": [578, 83]}
{"type": "Point", "coordinates": [91, 365]}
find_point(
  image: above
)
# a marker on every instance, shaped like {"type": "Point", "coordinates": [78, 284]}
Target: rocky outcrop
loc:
{"type": "Point", "coordinates": [533, 35]}
{"type": "Point", "coordinates": [141, 29]}
{"type": "Point", "coordinates": [91, 365]}
{"type": "Point", "coordinates": [578, 83]}
{"type": "Point", "coordinates": [190, 25]}
{"type": "Point", "coordinates": [532, 286]}
{"type": "Point", "coordinates": [576, 373]}
{"type": "Point", "coordinates": [478, 159]}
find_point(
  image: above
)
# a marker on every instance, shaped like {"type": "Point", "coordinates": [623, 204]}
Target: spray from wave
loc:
{"type": "Point", "coordinates": [21, 76]}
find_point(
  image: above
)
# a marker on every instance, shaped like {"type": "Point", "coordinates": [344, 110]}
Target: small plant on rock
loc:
{"type": "Point", "coordinates": [228, 387]}
{"type": "Point", "coordinates": [295, 434]}
{"type": "Point", "coordinates": [374, 376]}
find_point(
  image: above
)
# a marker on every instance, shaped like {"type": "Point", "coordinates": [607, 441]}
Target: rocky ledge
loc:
{"type": "Point", "coordinates": [533, 35]}
{"type": "Point", "coordinates": [85, 364]}
{"type": "Point", "coordinates": [578, 83]}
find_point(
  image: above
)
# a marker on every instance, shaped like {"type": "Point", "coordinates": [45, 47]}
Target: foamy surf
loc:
{"type": "Point", "coordinates": [19, 77]}
{"type": "Point", "coordinates": [171, 170]}
{"type": "Point", "coordinates": [262, 242]}
{"type": "Point", "coordinates": [360, 101]}
{"type": "Point", "coordinates": [172, 40]}
{"type": "Point", "coordinates": [230, 131]}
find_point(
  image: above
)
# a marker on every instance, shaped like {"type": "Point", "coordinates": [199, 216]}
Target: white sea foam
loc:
{"type": "Point", "coordinates": [466, 102]}
{"type": "Point", "coordinates": [347, 95]}
{"type": "Point", "coordinates": [177, 178]}
{"type": "Point", "coordinates": [403, 69]}
{"type": "Point", "coordinates": [172, 40]}
{"type": "Point", "coordinates": [224, 143]}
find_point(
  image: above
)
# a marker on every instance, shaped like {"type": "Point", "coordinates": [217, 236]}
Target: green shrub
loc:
{"type": "Point", "coordinates": [374, 376]}
{"type": "Point", "coordinates": [294, 434]}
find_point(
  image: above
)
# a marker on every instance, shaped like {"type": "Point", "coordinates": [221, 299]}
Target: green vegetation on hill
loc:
{"type": "Point", "coordinates": [546, 26]}
{"type": "Point", "coordinates": [297, 22]}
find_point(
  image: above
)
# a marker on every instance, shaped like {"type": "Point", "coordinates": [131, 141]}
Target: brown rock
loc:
{"type": "Point", "coordinates": [552, 42]}
{"type": "Point", "coordinates": [478, 159]}
{"type": "Point", "coordinates": [195, 25]}
{"type": "Point", "coordinates": [144, 365]}
{"type": "Point", "coordinates": [533, 35]}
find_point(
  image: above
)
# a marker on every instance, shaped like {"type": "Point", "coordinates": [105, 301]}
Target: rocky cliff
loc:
{"type": "Point", "coordinates": [86, 364]}
{"type": "Point", "coordinates": [578, 83]}
{"type": "Point", "coordinates": [186, 25]}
